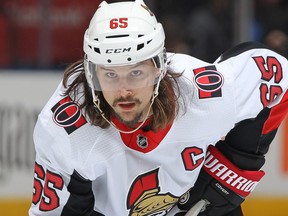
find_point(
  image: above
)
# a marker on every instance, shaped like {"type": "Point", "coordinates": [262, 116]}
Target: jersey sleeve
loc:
{"type": "Point", "coordinates": [260, 81]}
{"type": "Point", "coordinates": [56, 193]}
{"type": "Point", "coordinates": [50, 192]}
{"type": "Point", "coordinates": [260, 78]}
{"type": "Point", "coordinates": [61, 184]}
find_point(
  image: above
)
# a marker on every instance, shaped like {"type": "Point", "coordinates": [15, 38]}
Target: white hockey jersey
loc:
{"type": "Point", "coordinates": [83, 167]}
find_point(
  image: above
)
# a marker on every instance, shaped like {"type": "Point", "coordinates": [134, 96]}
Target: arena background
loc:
{"type": "Point", "coordinates": [39, 38]}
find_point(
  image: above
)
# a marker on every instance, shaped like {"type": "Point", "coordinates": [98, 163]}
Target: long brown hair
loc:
{"type": "Point", "coordinates": [165, 106]}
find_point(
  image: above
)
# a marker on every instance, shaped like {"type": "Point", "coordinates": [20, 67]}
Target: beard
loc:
{"type": "Point", "coordinates": [131, 123]}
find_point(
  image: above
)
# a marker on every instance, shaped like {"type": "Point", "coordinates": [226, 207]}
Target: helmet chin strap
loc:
{"type": "Point", "coordinates": [96, 102]}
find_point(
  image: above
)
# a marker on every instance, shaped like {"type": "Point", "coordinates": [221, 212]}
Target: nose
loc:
{"type": "Point", "coordinates": [124, 89]}
{"type": "Point", "coordinates": [124, 92]}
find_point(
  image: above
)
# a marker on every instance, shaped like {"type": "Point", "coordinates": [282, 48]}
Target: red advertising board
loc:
{"type": "Point", "coordinates": [46, 32]}
{"type": "Point", "coordinates": [4, 46]}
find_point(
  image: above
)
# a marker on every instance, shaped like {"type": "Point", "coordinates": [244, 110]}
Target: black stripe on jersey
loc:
{"type": "Point", "coordinates": [236, 50]}
{"type": "Point", "coordinates": [255, 135]}
{"type": "Point", "coordinates": [245, 145]}
{"type": "Point", "coordinates": [81, 200]}
{"type": "Point", "coordinates": [247, 135]}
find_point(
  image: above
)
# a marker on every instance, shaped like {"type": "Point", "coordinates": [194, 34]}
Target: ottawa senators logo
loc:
{"type": "Point", "coordinates": [208, 81]}
{"type": "Point", "coordinates": [144, 198]}
{"type": "Point", "coordinates": [67, 114]}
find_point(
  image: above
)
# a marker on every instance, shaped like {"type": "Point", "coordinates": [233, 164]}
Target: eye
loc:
{"type": "Point", "coordinates": [136, 73]}
{"type": "Point", "coordinates": [111, 75]}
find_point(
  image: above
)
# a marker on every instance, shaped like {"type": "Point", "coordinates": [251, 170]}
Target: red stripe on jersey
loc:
{"type": "Point", "coordinates": [277, 115]}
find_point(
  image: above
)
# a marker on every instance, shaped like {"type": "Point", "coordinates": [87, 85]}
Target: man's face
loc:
{"type": "Point", "coordinates": [128, 89]}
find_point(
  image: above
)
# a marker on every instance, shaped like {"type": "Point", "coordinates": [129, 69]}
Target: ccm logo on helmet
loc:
{"type": "Point", "coordinates": [208, 81]}
{"type": "Point", "coordinates": [118, 50]}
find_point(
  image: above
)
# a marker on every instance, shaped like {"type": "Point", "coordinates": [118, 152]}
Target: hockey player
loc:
{"type": "Point", "coordinates": [132, 130]}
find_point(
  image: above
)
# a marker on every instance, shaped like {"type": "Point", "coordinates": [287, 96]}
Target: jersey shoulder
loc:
{"type": "Point", "coordinates": [65, 138]}
{"type": "Point", "coordinates": [241, 48]}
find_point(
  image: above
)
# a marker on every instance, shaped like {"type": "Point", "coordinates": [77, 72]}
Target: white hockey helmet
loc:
{"type": "Point", "coordinates": [120, 34]}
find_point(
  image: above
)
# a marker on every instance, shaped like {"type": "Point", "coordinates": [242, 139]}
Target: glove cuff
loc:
{"type": "Point", "coordinates": [242, 182]}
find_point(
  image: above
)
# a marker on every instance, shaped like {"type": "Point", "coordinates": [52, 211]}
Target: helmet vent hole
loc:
{"type": "Point", "coordinates": [109, 61]}
{"type": "Point", "coordinates": [96, 50]}
{"type": "Point", "coordinates": [140, 35]}
{"type": "Point", "coordinates": [90, 46]}
{"type": "Point", "coordinates": [140, 46]}
{"type": "Point", "coordinates": [149, 41]}
{"type": "Point", "coordinates": [129, 59]}
{"type": "Point", "coordinates": [96, 39]}
{"type": "Point", "coordinates": [117, 36]}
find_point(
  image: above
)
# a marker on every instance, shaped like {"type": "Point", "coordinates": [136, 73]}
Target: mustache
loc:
{"type": "Point", "coordinates": [126, 99]}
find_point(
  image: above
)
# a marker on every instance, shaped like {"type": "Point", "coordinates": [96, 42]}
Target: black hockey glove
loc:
{"type": "Point", "coordinates": [221, 185]}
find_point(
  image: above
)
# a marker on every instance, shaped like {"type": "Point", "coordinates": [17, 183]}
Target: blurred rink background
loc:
{"type": "Point", "coordinates": [39, 38]}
